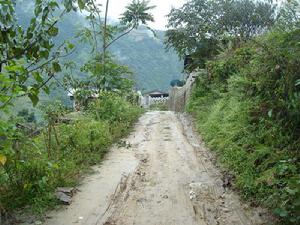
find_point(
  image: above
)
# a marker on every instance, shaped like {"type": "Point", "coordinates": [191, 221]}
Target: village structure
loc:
{"type": "Point", "coordinates": [153, 97]}
{"type": "Point", "coordinates": [175, 99]}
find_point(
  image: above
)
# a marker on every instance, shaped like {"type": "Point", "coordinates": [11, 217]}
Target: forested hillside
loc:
{"type": "Point", "coordinates": [246, 99]}
{"type": "Point", "coordinates": [154, 67]}
{"type": "Point", "coordinates": [144, 53]}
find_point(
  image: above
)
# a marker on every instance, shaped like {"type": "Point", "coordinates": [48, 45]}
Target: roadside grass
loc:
{"type": "Point", "coordinates": [248, 113]}
{"type": "Point", "coordinates": [34, 170]}
{"type": "Point", "coordinates": [160, 106]}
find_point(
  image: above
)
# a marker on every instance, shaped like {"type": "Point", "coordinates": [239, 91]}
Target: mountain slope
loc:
{"type": "Point", "coordinates": [153, 67]}
{"type": "Point", "coordinates": [146, 56]}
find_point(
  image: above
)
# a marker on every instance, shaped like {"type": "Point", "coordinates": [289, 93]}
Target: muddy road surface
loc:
{"type": "Point", "coordinates": [163, 175]}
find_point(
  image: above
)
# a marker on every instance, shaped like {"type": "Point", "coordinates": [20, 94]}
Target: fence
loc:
{"type": "Point", "coordinates": [157, 100]}
{"type": "Point", "coordinates": [147, 101]}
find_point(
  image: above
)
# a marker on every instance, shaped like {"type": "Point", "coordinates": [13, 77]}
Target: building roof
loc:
{"type": "Point", "coordinates": [155, 92]}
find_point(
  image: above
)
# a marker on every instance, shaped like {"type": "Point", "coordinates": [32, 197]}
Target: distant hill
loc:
{"type": "Point", "coordinates": [145, 54]}
{"type": "Point", "coordinates": [153, 67]}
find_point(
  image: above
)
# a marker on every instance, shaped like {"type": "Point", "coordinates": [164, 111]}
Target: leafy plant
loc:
{"type": "Point", "coordinates": [29, 58]}
{"type": "Point", "coordinates": [29, 175]}
{"type": "Point", "coordinates": [247, 110]}
{"type": "Point", "coordinates": [117, 77]}
{"type": "Point", "coordinates": [288, 17]}
{"type": "Point", "coordinates": [199, 28]}
{"type": "Point", "coordinates": [28, 116]}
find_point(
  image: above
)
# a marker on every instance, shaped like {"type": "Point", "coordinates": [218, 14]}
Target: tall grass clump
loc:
{"type": "Point", "coordinates": [32, 167]}
{"type": "Point", "coordinates": [248, 110]}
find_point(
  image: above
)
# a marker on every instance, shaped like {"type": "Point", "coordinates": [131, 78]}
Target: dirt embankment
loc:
{"type": "Point", "coordinates": [163, 176]}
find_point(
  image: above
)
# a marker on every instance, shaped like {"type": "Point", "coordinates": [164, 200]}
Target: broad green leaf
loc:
{"type": "Point", "coordinates": [46, 90]}
{"type": "Point", "coordinates": [29, 35]}
{"type": "Point", "coordinates": [34, 98]}
{"type": "Point", "coordinates": [53, 4]}
{"type": "Point", "coordinates": [56, 67]}
{"type": "Point", "coordinates": [37, 77]}
{"type": "Point", "coordinates": [44, 54]}
{"type": "Point", "coordinates": [53, 31]}
{"type": "Point", "coordinates": [3, 159]}
{"type": "Point", "coordinates": [291, 191]}
{"type": "Point", "coordinates": [37, 10]}
{"type": "Point", "coordinates": [33, 21]}
{"type": "Point", "coordinates": [281, 212]}
{"type": "Point", "coordinates": [81, 4]}
{"type": "Point", "coordinates": [70, 45]}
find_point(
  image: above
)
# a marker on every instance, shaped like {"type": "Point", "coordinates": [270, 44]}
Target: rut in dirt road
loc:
{"type": "Point", "coordinates": [164, 177]}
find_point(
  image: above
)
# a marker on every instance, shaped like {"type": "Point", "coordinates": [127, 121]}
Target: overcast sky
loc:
{"type": "Point", "coordinates": [163, 7]}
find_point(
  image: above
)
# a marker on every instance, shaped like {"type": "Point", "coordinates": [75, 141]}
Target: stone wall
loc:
{"type": "Point", "coordinates": [179, 96]}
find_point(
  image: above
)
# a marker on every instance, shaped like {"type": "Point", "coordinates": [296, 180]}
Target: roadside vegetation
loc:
{"type": "Point", "coordinates": [39, 155]}
{"type": "Point", "coordinates": [57, 157]}
{"type": "Point", "coordinates": [160, 106]}
{"type": "Point", "coordinates": [249, 114]}
{"type": "Point", "coordinates": [246, 101]}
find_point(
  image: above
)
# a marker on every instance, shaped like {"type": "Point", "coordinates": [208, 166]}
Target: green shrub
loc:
{"type": "Point", "coordinates": [112, 108]}
{"type": "Point", "coordinates": [248, 111]}
{"type": "Point", "coordinates": [85, 137]}
{"type": "Point", "coordinates": [161, 106]}
{"type": "Point", "coordinates": [35, 167]}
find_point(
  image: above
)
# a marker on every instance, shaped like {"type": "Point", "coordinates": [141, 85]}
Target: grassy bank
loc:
{"type": "Point", "coordinates": [35, 167]}
{"type": "Point", "coordinates": [247, 108]}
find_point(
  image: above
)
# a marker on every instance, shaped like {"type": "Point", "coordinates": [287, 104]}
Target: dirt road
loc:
{"type": "Point", "coordinates": [164, 176]}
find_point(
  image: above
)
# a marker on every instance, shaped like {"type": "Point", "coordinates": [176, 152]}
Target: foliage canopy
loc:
{"type": "Point", "coordinates": [199, 26]}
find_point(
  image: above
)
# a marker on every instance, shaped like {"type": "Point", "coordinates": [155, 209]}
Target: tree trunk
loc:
{"type": "Point", "coordinates": [56, 136]}
{"type": "Point", "coordinates": [104, 36]}
{"type": "Point", "coordinates": [49, 140]}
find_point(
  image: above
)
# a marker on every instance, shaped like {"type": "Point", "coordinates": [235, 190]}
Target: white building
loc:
{"type": "Point", "coordinates": [153, 97]}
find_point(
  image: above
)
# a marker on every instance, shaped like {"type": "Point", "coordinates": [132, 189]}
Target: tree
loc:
{"type": "Point", "coordinates": [199, 25]}
{"type": "Point", "coordinates": [246, 18]}
{"type": "Point", "coordinates": [289, 16]}
{"type": "Point", "coordinates": [136, 13]}
{"type": "Point", "coordinates": [28, 117]}
{"type": "Point", "coordinates": [29, 58]}
{"type": "Point", "coordinates": [105, 74]}
{"type": "Point", "coordinates": [104, 33]}
{"type": "Point", "coordinates": [117, 77]}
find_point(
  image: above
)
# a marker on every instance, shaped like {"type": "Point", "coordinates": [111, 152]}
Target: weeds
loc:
{"type": "Point", "coordinates": [59, 155]}
{"type": "Point", "coordinates": [248, 111]}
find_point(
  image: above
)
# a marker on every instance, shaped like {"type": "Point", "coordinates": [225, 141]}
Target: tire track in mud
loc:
{"type": "Point", "coordinates": [176, 182]}
{"type": "Point", "coordinates": [172, 180]}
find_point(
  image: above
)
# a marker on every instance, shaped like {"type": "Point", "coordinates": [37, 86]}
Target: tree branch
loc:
{"type": "Point", "coordinates": [6, 102]}
{"type": "Point", "coordinates": [127, 32]}
{"type": "Point", "coordinates": [40, 87]}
